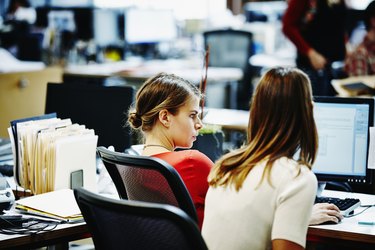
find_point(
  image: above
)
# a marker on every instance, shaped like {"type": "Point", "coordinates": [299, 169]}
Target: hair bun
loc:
{"type": "Point", "coordinates": [134, 120]}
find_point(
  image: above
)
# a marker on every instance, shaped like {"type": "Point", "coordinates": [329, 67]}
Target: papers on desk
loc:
{"type": "Point", "coordinates": [355, 86]}
{"type": "Point", "coordinates": [58, 205]}
{"type": "Point", "coordinates": [9, 63]}
{"type": "Point", "coordinates": [371, 155]}
{"type": "Point", "coordinates": [47, 150]}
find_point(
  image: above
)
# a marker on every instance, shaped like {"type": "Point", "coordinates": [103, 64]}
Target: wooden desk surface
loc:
{"type": "Point", "coordinates": [348, 231]}
{"type": "Point", "coordinates": [60, 235]}
{"type": "Point", "coordinates": [338, 85]}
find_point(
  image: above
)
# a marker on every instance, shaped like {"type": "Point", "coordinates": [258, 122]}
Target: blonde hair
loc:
{"type": "Point", "coordinates": [281, 123]}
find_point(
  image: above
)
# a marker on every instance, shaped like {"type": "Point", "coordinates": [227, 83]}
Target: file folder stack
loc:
{"type": "Point", "coordinates": [47, 150]}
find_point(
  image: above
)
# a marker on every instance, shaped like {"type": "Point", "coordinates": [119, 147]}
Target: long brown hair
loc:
{"type": "Point", "coordinates": [281, 123]}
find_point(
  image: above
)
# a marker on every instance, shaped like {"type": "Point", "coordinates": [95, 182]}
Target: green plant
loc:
{"type": "Point", "coordinates": [210, 129]}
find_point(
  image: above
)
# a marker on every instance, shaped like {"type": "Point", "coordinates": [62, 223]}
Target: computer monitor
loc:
{"type": "Point", "coordinates": [106, 27]}
{"type": "Point", "coordinates": [145, 28]}
{"type": "Point", "coordinates": [343, 129]}
{"type": "Point", "coordinates": [83, 18]}
{"type": "Point", "coordinates": [101, 108]}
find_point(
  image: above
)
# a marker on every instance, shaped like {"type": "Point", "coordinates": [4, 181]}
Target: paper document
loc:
{"type": "Point", "coordinates": [371, 151]}
{"type": "Point", "coordinates": [60, 204]}
{"type": "Point", "coordinates": [48, 150]}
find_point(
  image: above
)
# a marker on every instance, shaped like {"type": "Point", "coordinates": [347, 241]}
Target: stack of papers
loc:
{"type": "Point", "coordinates": [58, 205]}
{"type": "Point", "coordinates": [47, 150]}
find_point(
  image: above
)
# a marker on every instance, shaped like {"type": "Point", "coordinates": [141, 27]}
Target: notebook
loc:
{"type": "Point", "coordinates": [59, 205]}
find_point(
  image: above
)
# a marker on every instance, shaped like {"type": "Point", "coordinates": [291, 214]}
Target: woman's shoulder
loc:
{"type": "Point", "coordinates": [293, 176]}
{"type": "Point", "coordinates": [189, 155]}
{"type": "Point", "coordinates": [194, 155]}
{"type": "Point", "coordinates": [292, 168]}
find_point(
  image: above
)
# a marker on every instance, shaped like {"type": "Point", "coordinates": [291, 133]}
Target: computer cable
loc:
{"type": "Point", "coordinates": [363, 206]}
{"type": "Point", "coordinates": [25, 226]}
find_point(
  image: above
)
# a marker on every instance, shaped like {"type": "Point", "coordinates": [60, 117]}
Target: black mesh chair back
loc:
{"type": "Point", "coordinates": [233, 48]}
{"type": "Point", "coordinates": [148, 179]}
{"type": "Point", "coordinates": [125, 224]}
{"type": "Point", "coordinates": [229, 48]}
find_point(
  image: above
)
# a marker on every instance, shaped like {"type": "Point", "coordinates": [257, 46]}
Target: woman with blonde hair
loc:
{"type": "Point", "coordinates": [261, 195]}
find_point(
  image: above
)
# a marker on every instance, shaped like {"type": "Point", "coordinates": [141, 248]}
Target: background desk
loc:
{"type": "Point", "coordinates": [141, 70]}
{"type": "Point", "coordinates": [228, 119]}
{"type": "Point", "coordinates": [348, 233]}
{"type": "Point", "coordinates": [338, 85]}
{"type": "Point", "coordinates": [220, 81]}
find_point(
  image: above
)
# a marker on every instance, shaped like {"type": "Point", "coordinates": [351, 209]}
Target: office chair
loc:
{"type": "Point", "coordinates": [233, 48]}
{"type": "Point", "coordinates": [101, 108]}
{"type": "Point", "coordinates": [149, 179]}
{"type": "Point", "coordinates": [125, 224]}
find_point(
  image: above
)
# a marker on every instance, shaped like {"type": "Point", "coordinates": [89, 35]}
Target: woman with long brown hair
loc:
{"type": "Point", "coordinates": [261, 195]}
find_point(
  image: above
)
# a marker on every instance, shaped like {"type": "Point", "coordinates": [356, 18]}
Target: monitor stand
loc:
{"type": "Point", "coordinates": [147, 51]}
{"type": "Point", "coordinates": [333, 185]}
{"type": "Point", "coordinates": [321, 187]}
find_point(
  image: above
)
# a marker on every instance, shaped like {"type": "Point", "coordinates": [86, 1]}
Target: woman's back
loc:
{"type": "Point", "coordinates": [255, 215]}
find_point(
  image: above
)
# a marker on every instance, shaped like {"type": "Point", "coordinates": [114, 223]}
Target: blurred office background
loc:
{"type": "Point", "coordinates": [68, 35]}
{"type": "Point", "coordinates": [84, 31]}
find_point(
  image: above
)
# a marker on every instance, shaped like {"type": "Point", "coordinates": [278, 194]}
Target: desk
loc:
{"type": "Point", "coordinates": [60, 235]}
{"type": "Point", "coordinates": [228, 119]}
{"type": "Point", "coordinates": [348, 232]}
{"type": "Point", "coordinates": [136, 72]}
{"type": "Point", "coordinates": [139, 71]}
{"type": "Point", "coordinates": [338, 85]}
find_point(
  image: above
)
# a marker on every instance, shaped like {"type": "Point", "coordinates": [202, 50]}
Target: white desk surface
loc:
{"type": "Point", "coordinates": [140, 70]}
{"type": "Point", "coordinates": [349, 228]}
{"type": "Point", "coordinates": [231, 119]}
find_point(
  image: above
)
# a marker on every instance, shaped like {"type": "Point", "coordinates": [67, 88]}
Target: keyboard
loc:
{"type": "Point", "coordinates": [346, 205]}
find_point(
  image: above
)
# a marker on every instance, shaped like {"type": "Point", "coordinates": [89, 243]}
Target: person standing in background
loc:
{"type": "Point", "coordinates": [21, 10]}
{"type": "Point", "coordinates": [317, 28]}
{"type": "Point", "coordinates": [17, 24]}
{"type": "Point", "coordinates": [362, 60]}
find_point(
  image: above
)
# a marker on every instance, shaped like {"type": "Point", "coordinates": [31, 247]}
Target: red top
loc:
{"type": "Point", "coordinates": [317, 24]}
{"type": "Point", "coordinates": [292, 20]}
{"type": "Point", "coordinates": [193, 167]}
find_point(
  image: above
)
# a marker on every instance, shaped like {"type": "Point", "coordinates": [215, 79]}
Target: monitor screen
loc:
{"type": "Point", "coordinates": [106, 27]}
{"type": "Point", "coordinates": [149, 25]}
{"type": "Point", "coordinates": [343, 130]}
